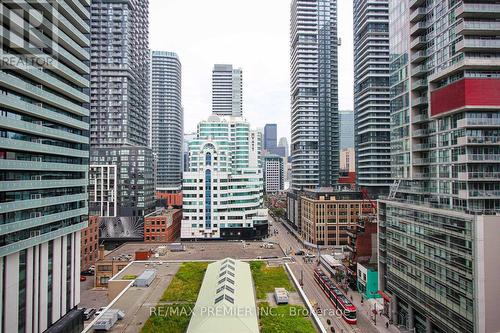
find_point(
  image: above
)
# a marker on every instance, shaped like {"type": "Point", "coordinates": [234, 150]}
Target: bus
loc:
{"type": "Point", "coordinates": [337, 297]}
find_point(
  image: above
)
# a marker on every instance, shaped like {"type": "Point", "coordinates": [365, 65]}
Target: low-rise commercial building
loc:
{"type": "Point", "coordinates": [328, 214]}
{"type": "Point", "coordinates": [164, 225]}
{"type": "Point", "coordinates": [367, 281]}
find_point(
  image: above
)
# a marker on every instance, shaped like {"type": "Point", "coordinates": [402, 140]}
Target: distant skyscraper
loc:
{"type": "Point", "coordinates": [284, 143]}
{"type": "Point", "coordinates": [271, 140]}
{"type": "Point", "coordinates": [225, 171]}
{"type": "Point", "coordinates": [315, 119]}
{"type": "Point", "coordinates": [346, 129]}
{"type": "Point", "coordinates": [167, 119]}
{"type": "Point", "coordinates": [120, 68]}
{"type": "Point", "coordinates": [44, 158]}
{"type": "Point", "coordinates": [371, 95]}
{"type": "Point", "coordinates": [439, 226]}
{"type": "Point", "coordinates": [270, 136]}
{"type": "Point", "coordinates": [227, 90]}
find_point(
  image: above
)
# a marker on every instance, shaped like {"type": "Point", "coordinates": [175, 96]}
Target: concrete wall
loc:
{"type": "Point", "coordinates": [487, 269]}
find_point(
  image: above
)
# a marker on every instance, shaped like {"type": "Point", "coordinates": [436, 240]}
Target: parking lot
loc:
{"type": "Point", "coordinates": [90, 297]}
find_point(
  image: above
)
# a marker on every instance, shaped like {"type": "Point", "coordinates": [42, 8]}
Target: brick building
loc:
{"type": "Point", "coordinates": [329, 214]}
{"type": "Point", "coordinates": [89, 243]}
{"type": "Point", "coordinates": [164, 225]}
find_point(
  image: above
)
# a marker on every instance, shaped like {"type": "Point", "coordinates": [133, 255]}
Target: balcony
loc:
{"type": "Point", "coordinates": [478, 10]}
{"type": "Point", "coordinates": [479, 194]}
{"type": "Point", "coordinates": [419, 84]}
{"type": "Point", "coordinates": [416, 3]}
{"type": "Point", "coordinates": [478, 140]}
{"type": "Point", "coordinates": [474, 45]}
{"type": "Point", "coordinates": [479, 122]}
{"type": "Point", "coordinates": [421, 132]}
{"type": "Point", "coordinates": [419, 56]}
{"type": "Point", "coordinates": [418, 14]}
{"type": "Point", "coordinates": [479, 158]}
{"type": "Point", "coordinates": [420, 118]}
{"type": "Point", "coordinates": [418, 29]}
{"type": "Point", "coordinates": [478, 28]}
{"type": "Point", "coordinates": [420, 101]}
{"type": "Point", "coordinates": [418, 43]}
{"type": "Point", "coordinates": [478, 176]}
{"type": "Point", "coordinates": [419, 70]}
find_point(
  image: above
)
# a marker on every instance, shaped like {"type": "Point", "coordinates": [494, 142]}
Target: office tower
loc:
{"type": "Point", "coordinates": [346, 129]}
{"type": "Point", "coordinates": [223, 188]}
{"type": "Point", "coordinates": [119, 132]}
{"type": "Point", "coordinates": [167, 119]}
{"type": "Point", "coordinates": [271, 140]}
{"type": "Point", "coordinates": [227, 91]}
{"type": "Point", "coordinates": [270, 136]}
{"type": "Point", "coordinates": [371, 95]}
{"type": "Point", "coordinates": [44, 157]}
{"type": "Point", "coordinates": [274, 173]}
{"type": "Point", "coordinates": [314, 96]}
{"type": "Point", "coordinates": [284, 143]}
{"type": "Point", "coordinates": [438, 228]}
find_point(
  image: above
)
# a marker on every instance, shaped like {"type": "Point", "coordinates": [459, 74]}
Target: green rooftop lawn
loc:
{"type": "Point", "coordinates": [268, 278]}
{"type": "Point", "coordinates": [186, 284]}
{"type": "Point", "coordinates": [173, 318]}
{"type": "Point", "coordinates": [284, 319]}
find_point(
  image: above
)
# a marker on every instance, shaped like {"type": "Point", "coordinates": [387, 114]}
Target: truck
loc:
{"type": "Point", "coordinates": [146, 278]}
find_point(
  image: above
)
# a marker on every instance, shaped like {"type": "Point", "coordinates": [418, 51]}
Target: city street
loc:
{"type": "Point", "coordinates": [315, 294]}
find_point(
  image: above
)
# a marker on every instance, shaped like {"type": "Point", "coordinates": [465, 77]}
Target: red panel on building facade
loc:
{"type": "Point", "coordinates": [466, 92]}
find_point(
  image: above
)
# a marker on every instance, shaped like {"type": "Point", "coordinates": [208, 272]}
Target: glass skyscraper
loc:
{"type": "Point", "coordinates": [167, 119]}
{"type": "Point", "coordinates": [438, 227]}
{"type": "Point", "coordinates": [371, 95]}
{"type": "Point", "coordinates": [314, 93]}
{"type": "Point", "coordinates": [120, 109]}
{"type": "Point", "coordinates": [44, 158]}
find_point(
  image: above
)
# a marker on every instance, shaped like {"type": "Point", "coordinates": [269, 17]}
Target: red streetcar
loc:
{"type": "Point", "coordinates": [337, 297]}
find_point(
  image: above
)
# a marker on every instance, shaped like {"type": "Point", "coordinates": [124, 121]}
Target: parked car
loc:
{"type": "Point", "coordinates": [101, 309]}
{"type": "Point", "coordinates": [87, 272]}
{"type": "Point", "coordinates": [82, 278]}
{"type": "Point", "coordinates": [88, 313]}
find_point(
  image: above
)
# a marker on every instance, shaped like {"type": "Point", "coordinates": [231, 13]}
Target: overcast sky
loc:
{"type": "Point", "coordinates": [251, 34]}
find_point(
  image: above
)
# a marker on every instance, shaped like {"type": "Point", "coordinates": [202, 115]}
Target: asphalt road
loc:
{"type": "Point", "coordinates": [313, 291]}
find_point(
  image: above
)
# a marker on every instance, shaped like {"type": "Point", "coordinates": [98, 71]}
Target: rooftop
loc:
{"type": "Point", "coordinates": [227, 289]}
{"type": "Point", "coordinates": [163, 212]}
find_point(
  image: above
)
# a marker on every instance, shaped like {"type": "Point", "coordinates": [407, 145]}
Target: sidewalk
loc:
{"type": "Point", "coordinates": [364, 308]}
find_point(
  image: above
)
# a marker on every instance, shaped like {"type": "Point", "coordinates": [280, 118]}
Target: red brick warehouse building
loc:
{"type": "Point", "coordinates": [89, 243]}
{"type": "Point", "coordinates": [164, 225]}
